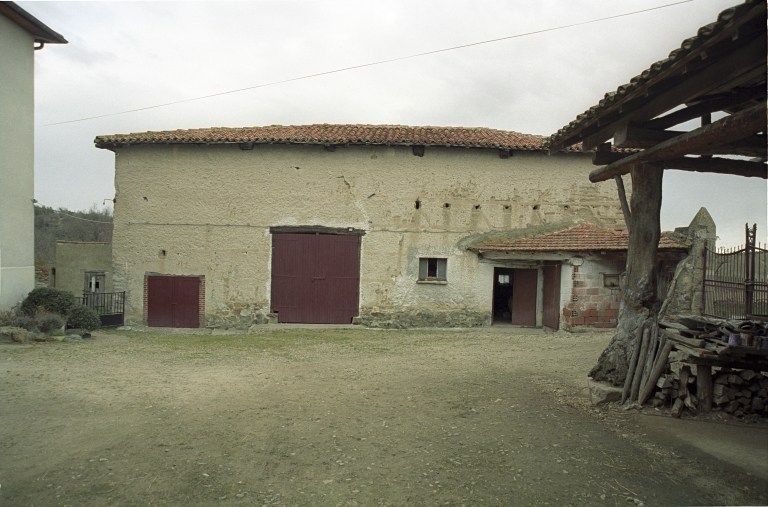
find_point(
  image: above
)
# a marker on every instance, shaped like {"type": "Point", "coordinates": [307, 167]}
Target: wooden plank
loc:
{"type": "Point", "coordinates": [658, 367]}
{"type": "Point", "coordinates": [692, 342]}
{"type": "Point", "coordinates": [731, 128]}
{"type": "Point", "coordinates": [608, 157]}
{"type": "Point", "coordinates": [635, 391]}
{"type": "Point", "coordinates": [704, 388]}
{"type": "Point", "coordinates": [719, 165]}
{"type": "Point", "coordinates": [753, 146]}
{"type": "Point", "coordinates": [631, 369]}
{"type": "Point", "coordinates": [650, 362]}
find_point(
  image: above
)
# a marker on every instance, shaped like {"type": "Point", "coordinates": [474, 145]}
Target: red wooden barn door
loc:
{"type": "Point", "coordinates": [551, 295]}
{"type": "Point", "coordinates": [173, 301]}
{"type": "Point", "coordinates": [315, 278]}
{"type": "Point", "coordinates": [524, 297]}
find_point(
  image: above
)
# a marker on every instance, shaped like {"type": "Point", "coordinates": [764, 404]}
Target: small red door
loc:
{"type": "Point", "coordinates": [524, 297]}
{"type": "Point", "coordinates": [551, 295]}
{"type": "Point", "coordinates": [173, 301]}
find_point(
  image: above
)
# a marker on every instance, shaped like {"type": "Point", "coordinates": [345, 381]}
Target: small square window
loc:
{"type": "Point", "coordinates": [432, 269]}
{"type": "Point", "coordinates": [503, 279]}
{"type": "Point", "coordinates": [611, 281]}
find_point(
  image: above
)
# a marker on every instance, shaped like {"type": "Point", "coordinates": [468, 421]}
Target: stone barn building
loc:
{"type": "Point", "coordinates": [377, 225]}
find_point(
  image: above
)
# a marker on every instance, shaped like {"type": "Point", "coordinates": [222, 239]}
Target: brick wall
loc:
{"type": "Point", "coordinates": [592, 303]}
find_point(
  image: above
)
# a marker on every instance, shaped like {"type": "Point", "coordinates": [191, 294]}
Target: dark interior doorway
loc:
{"type": "Point", "coordinates": [502, 295]}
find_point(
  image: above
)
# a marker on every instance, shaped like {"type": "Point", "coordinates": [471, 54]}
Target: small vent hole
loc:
{"type": "Point", "coordinates": [477, 207]}
{"type": "Point", "coordinates": [566, 207]}
{"type": "Point", "coordinates": [575, 298]}
{"type": "Point", "coordinates": [418, 204]}
{"type": "Point", "coordinates": [447, 205]}
{"type": "Point", "coordinates": [536, 207]}
{"type": "Point", "coordinates": [574, 313]}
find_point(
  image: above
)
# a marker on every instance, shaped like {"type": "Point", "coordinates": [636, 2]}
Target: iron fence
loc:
{"type": "Point", "coordinates": [110, 306]}
{"type": "Point", "coordinates": [736, 280]}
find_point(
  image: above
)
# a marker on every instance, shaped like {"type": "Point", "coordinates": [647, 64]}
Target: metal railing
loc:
{"type": "Point", "coordinates": [110, 306]}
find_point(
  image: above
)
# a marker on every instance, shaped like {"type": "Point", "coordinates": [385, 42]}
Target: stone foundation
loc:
{"type": "Point", "coordinates": [403, 319]}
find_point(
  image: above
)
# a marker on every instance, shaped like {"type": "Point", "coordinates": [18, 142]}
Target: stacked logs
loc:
{"type": "Point", "coordinates": [662, 371]}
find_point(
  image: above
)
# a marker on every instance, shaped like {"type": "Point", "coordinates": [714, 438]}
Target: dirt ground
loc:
{"type": "Point", "coordinates": [346, 417]}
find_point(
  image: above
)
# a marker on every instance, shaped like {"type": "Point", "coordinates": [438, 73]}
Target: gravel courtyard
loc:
{"type": "Point", "coordinates": [338, 417]}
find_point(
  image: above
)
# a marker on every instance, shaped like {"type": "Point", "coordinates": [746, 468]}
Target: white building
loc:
{"type": "Point", "coordinates": [20, 35]}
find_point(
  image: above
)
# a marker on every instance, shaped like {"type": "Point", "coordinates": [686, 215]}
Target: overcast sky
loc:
{"type": "Point", "coordinates": [127, 55]}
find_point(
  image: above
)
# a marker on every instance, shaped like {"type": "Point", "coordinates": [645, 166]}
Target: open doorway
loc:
{"type": "Point", "coordinates": [502, 295]}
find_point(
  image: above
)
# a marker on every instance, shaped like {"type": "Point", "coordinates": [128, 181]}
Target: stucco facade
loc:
{"type": "Point", "coordinates": [207, 210]}
{"type": "Point", "coordinates": [75, 258]}
{"type": "Point", "coordinates": [17, 262]}
{"type": "Point", "coordinates": [18, 33]}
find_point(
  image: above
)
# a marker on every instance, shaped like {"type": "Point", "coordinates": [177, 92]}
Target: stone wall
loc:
{"type": "Point", "coordinates": [202, 210]}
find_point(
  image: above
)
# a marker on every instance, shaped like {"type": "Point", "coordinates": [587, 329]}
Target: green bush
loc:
{"type": "Point", "coordinates": [25, 322]}
{"type": "Point", "coordinates": [48, 322]}
{"type": "Point", "coordinates": [49, 299]}
{"type": "Point", "coordinates": [82, 317]}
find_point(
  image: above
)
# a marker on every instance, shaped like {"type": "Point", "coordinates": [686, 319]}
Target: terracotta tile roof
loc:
{"type": "Point", "coordinates": [583, 237]}
{"type": "Point", "coordinates": [659, 70]}
{"type": "Point", "coordinates": [325, 134]}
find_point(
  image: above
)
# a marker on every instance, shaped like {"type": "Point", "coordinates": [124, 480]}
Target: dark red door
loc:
{"type": "Point", "coordinates": [551, 295]}
{"type": "Point", "coordinates": [524, 297]}
{"type": "Point", "coordinates": [315, 278]}
{"type": "Point", "coordinates": [173, 301]}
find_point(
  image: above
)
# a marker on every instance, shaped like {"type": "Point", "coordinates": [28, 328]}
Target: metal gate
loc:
{"type": "Point", "coordinates": [736, 280]}
{"type": "Point", "coordinates": [109, 305]}
{"type": "Point", "coordinates": [315, 277]}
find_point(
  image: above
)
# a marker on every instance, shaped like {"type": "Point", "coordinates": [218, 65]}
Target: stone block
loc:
{"type": "Point", "coordinates": [602, 392]}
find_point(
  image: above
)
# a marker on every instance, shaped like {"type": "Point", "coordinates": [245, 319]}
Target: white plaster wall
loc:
{"type": "Point", "coordinates": [17, 269]}
{"type": "Point", "coordinates": [210, 209]}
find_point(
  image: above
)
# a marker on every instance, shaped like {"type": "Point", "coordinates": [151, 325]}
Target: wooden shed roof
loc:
{"type": "Point", "coordinates": [721, 68]}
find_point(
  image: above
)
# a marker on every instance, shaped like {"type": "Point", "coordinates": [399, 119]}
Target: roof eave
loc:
{"type": "Point", "coordinates": [31, 24]}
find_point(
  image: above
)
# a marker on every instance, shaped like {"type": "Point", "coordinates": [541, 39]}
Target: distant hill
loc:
{"type": "Point", "coordinates": [62, 224]}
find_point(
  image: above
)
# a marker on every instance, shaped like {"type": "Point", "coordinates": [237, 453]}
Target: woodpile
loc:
{"type": "Point", "coordinates": [701, 364]}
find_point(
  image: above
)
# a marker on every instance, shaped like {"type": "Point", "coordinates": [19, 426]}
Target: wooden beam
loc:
{"type": "Point", "coordinates": [606, 157]}
{"type": "Point", "coordinates": [741, 61]}
{"type": "Point", "coordinates": [719, 165]}
{"type": "Point", "coordinates": [726, 130]}
{"type": "Point", "coordinates": [720, 103]}
{"type": "Point", "coordinates": [636, 136]}
{"type": "Point", "coordinates": [753, 146]}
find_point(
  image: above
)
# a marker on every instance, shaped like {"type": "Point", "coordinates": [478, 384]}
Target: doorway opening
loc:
{"type": "Point", "coordinates": [502, 296]}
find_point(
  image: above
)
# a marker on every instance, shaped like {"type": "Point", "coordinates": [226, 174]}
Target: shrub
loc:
{"type": "Point", "coordinates": [82, 317]}
{"type": "Point", "coordinates": [48, 322]}
{"type": "Point", "coordinates": [25, 321]}
{"type": "Point", "coordinates": [17, 334]}
{"type": "Point", "coordinates": [49, 299]}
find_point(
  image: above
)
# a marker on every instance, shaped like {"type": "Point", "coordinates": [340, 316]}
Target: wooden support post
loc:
{"type": "Point", "coordinates": [623, 200]}
{"type": "Point", "coordinates": [704, 387]}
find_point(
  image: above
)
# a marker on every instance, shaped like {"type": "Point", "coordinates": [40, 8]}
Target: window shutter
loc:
{"type": "Point", "coordinates": [441, 268]}
{"type": "Point", "coordinates": [423, 267]}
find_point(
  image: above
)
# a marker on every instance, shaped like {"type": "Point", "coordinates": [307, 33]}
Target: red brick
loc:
{"type": "Point", "coordinates": [611, 313]}
{"type": "Point", "coordinates": [593, 291]}
{"type": "Point", "coordinates": [605, 324]}
{"type": "Point", "coordinates": [590, 320]}
{"type": "Point", "coordinates": [578, 321]}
